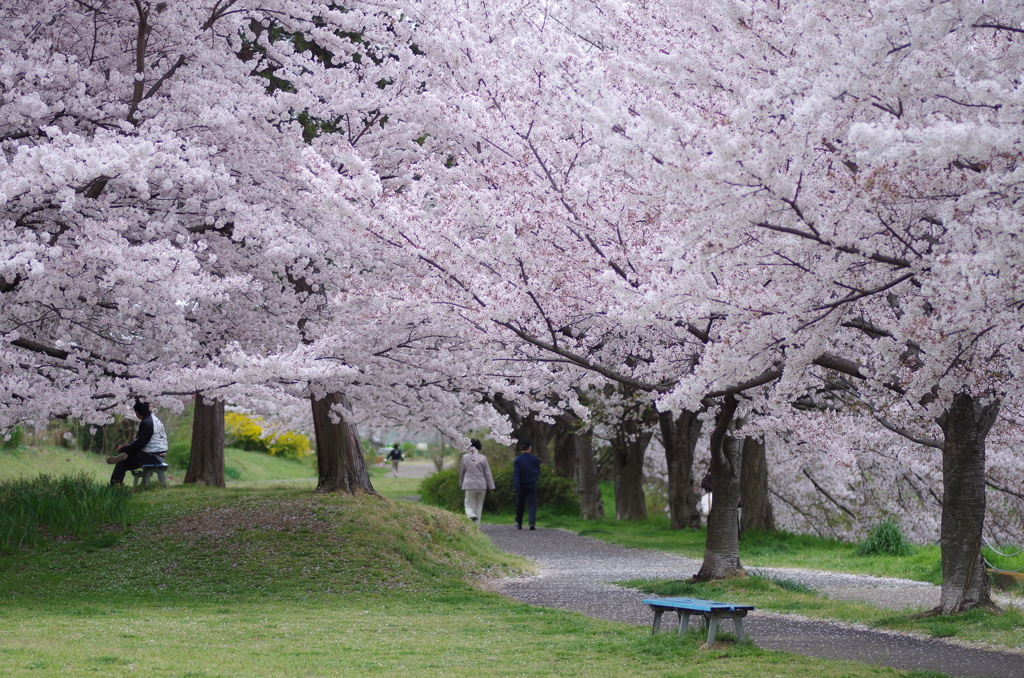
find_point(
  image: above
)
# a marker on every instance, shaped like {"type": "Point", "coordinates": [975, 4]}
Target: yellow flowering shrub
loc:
{"type": "Point", "coordinates": [245, 432]}
{"type": "Point", "coordinates": [290, 445]}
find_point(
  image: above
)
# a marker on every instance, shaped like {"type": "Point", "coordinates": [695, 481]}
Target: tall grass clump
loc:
{"type": "Point", "coordinates": [886, 539]}
{"type": "Point", "coordinates": [69, 504]}
{"type": "Point", "coordinates": [784, 584]}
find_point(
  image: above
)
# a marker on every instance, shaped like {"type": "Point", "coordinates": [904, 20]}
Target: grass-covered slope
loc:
{"type": "Point", "coordinates": [24, 462]}
{"type": "Point", "coordinates": [240, 465]}
{"type": "Point", "coordinates": [283, 582]}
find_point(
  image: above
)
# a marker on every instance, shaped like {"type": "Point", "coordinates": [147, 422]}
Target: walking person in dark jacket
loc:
{"type": "Point", "coordinates": [149, 446]}
{"type": "Point", "coordinates": [395, 456]}
{"type": "Point", "coordinates": [525, 474]}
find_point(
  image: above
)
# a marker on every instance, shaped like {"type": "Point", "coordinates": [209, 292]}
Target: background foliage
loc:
{"type": "Point", "coordinates": [247, 433]}
{"type": "Point", "coordinates": [555, 494]}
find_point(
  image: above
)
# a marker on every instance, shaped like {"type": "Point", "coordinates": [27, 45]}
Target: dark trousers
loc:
{"type": "Point", "coordinates": [134, 461]}
{"type": "Point", "coordinates": [526, 498]}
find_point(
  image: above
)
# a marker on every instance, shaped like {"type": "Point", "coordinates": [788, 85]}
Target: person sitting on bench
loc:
{"type": "Point", "coordinates": [148, 449]}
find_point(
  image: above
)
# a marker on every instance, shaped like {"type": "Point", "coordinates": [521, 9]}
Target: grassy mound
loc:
{"type": "Point", "coordinates": [196, 542]}
{"type": "Point", "coordinates": [283, 582]}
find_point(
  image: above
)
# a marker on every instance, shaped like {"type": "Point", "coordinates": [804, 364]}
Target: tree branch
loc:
{"type": "Point", "coordinates": [991, 483]}
{"type": "Point", "coordinates": [927, 442]}
{"type": "Point", "coordinates": [583, 362]}
{"type": "Point", "coordinates": [828, 496]}
{"type": "Point", "coordinates": [141, 37]}
{"type": "Point", "coordinates": [765, 377]}
{"type": "Point", "coordinates": [999, 27]}
{"type": "Point", "coordinates": [848, 249]}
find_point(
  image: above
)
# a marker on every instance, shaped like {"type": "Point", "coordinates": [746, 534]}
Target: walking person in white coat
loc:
{"type": "Point", "coordinates": [475, 479]}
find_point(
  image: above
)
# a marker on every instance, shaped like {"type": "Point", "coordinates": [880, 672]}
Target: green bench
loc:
{"type": "Point", "coordinates": [711, 611]}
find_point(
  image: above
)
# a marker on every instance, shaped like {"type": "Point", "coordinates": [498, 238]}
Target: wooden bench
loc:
{"type": "Point", "coordinates": [147, 471]}
{"type": "Point", "coordinates": [711, 611]}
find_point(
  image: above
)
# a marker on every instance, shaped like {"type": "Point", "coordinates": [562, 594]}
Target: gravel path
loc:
{"type": "Point", "coordinates": [574, 573]}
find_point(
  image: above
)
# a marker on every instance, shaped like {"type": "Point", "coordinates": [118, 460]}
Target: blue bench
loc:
{"type": "Point", "coordinates": [147, 471]}
{"type": "Point", "coordinates": [711, 611]}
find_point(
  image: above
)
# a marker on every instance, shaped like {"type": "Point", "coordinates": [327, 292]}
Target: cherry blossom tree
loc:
{"type": "Point", "coordinates": [730, 208]}
{"type": "Point", "coordinates": [866, 154]}
{"type": "Point", "coordinates": [172, 219]}
{"type": "Point", "coordinates": [750, 207]}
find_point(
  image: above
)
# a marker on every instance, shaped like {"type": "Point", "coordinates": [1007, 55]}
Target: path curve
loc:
{"type": "Point", "coordinates": [574, 573]}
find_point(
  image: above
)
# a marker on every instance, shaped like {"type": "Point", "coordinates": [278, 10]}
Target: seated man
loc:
{"type": "Point", "coordinates": [148, 448]}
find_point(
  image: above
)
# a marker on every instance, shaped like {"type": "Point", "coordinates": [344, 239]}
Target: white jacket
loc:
{"type": "Point", "coordinates": [475, 472]}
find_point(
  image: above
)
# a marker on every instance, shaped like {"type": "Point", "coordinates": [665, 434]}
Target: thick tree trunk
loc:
{"type": "Point", "coordinates": [628, 469]}
{"type": "Point", "coordinates": [565, 441]}
{"type": "Point", "coordinates": [339, 458]}
{"type": "Point", "coordinates": [539, 433]}
{"type": "Point", "coordinates": [722, 549]}
{"type": "Point", "coordinates": [965, 426]}
{"type": "Point", "coordinates": [757, 511]}
{"type": "Point", "coordinates": [591, 505]}
{"type": "Point", "coordinates": [206, 462]}
{"type": "Point", "coordinates": [679, 436]}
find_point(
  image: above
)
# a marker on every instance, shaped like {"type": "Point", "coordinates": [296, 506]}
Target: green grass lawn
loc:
{"type": "Point", "coordinates": [403, 487]}
{"type": "Point", "coordinates": [31, 461]}
{"type": "Point", "coordinates": [267, 578]}
{"type": "Point", "coordinates": [240, 466]}
{"type": "Point", "coordinates": [279, 581]}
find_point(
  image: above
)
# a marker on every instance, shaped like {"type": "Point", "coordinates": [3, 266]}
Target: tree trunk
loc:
{"type": "Point", "coordinates": [757, 511]}
{"type": "Point", "coordinates": [679, 436]}
{"type": "Point", "coordinates": [565, 441]}
{"type": "Point", "coordinates": [206, 462]}
{"type": "Point", "coordinates": [965, 426]}
{"type": "Point", "coordinates": [339, 458]}
{"type": "Point", "coordinates": [538, 433]}
{"type": "Point", "coordinates": [438, 458]}
{"type": "Point", "coordinates": [630, 444]}
{"type": "Point", "coordinates": [591, 506]}
{"type": "Point", "coordinates": [722, 549]}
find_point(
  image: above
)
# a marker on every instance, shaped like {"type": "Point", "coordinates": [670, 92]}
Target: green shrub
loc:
{"type": "Point", "coordinates": [103, 439]}
{"type": "Point", "coordinates": [555, 494]}
{"type": "Point", "coordinates": [442, 490]}
{"type": "Point", "coordinates": [11, 438]}
{"type": "Point", "coordinates": [178, 454]}
{"type": "Point", "coordinates": [887, 539]}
